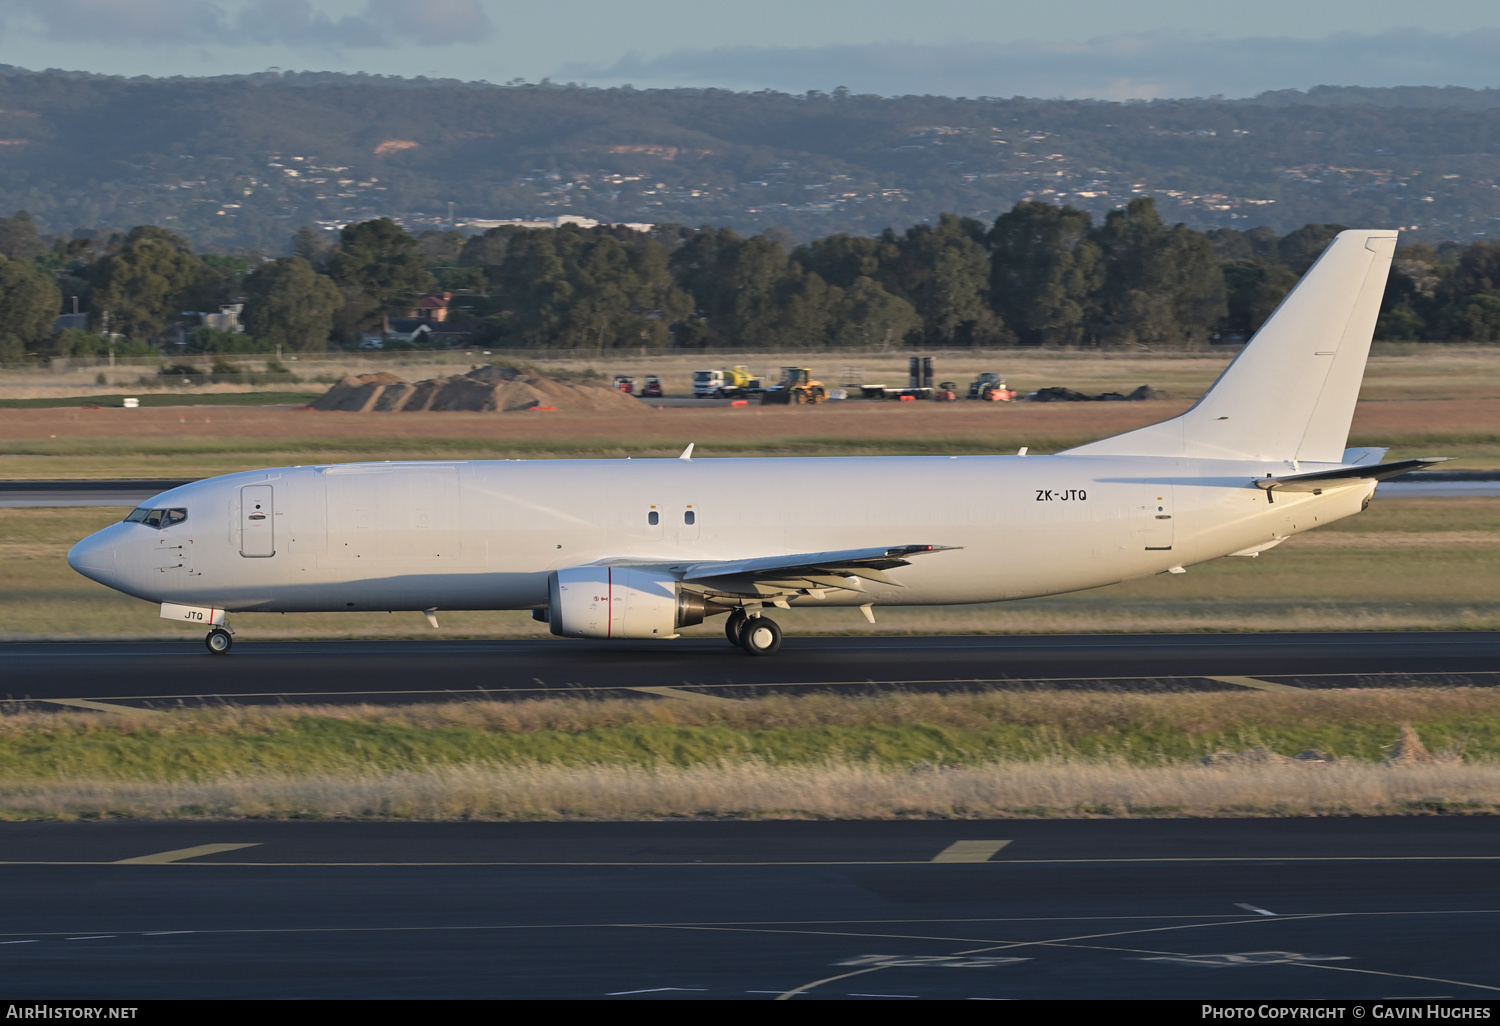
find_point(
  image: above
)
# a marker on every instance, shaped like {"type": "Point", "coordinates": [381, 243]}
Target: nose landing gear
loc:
{"type": "Point", "coordinates": [219, 641]}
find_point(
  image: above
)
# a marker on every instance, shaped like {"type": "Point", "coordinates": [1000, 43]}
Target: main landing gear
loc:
{"type": "Point", "coordinates": [733, 624]}
{"type": "Point", "coordinates": [219, 641]}
{"type": "Point", "coordinates": [757, 635]}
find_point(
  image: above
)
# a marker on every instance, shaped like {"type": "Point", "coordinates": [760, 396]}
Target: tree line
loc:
{"type": "Point", "coordinates": [1039, 275]}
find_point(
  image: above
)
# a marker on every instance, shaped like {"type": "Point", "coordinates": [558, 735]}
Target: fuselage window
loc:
{"type": "Point", "coordinates": [653, 518]}
{"type": "Point", "coordinates": [690, 518]}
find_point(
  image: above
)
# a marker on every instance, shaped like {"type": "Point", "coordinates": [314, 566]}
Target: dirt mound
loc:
{"type": "Point", "coordinates": [357, 393]}
{"type": "Point", "coordinates": [463, 393]}
{"type": "Point", "coordinates": [1410, 751]}
{"type": "Point", "coordinates": [484, 389]}
{"type": "Point", "coordinates": [494, 373]}
{"type": "Point", "coordinates": [393, 397]}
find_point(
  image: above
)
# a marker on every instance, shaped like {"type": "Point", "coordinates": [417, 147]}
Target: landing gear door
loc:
{"type": "Point", "coordinates": [1155, 513]}
{"type": "Point", "coordinates": [257, 521]}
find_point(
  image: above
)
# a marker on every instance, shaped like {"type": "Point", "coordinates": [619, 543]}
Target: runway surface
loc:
{"type": "Point", "coordinates": [82, 493]}
{"type": "Point", "coordinates": [1256, 909]}
{"type": "Point", "coordinates": [415, 671]}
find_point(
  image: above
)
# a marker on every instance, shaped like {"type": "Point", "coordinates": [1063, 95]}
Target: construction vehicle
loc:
{"type": "Point", "coordinates": [707, 383]}
{"type": "Point", "coordinates": [919, 383]}
{"type": "Point", "coordinates": [625, 383]}
{"type": "Point", "coordinates": [739, 381]}
{"type": "Point", "coordinates": [730, 382]}
{"type": "Point", "coordinates": [918, 380]}
{"type": "Point", "coordinates": [946, 392]}
{"type": "Point", "coordinates": [652, 388]}
{"type": "Point", "coordinates": [797, 385]}
{"type": "Point", "coordinates": [991, 388]}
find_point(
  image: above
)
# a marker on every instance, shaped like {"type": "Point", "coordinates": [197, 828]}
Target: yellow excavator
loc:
{"type": "Point", "coordinates": [797, 385]}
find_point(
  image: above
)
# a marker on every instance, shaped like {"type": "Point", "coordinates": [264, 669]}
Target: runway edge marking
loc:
{"type": "Point", "coordinates": [87, 703]}
{"type": "Point", "coordinates": [1252, 682]}
{"type": "Point", "coordinates": [692, 696]}
{"type": "Point", "coordinates": [163, 858]}
{"type": "Point", "coordinates": [969, 851]}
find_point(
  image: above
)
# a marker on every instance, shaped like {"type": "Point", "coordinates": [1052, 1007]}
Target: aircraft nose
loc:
{"type": "Point", "coordinates": [94, 557]}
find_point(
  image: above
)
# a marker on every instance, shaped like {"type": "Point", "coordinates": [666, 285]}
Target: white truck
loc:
{"type": "Point", "coordinates": [708, 384]}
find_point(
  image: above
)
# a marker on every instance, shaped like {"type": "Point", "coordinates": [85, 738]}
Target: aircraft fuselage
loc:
{"type": "Point", "coordinates": [486, 535]}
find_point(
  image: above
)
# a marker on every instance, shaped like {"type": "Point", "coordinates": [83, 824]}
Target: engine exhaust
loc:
{"type": "Point", "coordinates": [692, 608]}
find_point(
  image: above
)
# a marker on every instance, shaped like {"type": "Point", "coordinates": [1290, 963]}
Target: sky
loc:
{"type": "Point", "coordinates": [1102, 49]}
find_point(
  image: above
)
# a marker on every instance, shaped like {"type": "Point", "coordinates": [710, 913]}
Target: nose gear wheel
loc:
{"type": "Point", "coordinates": [219, 641]}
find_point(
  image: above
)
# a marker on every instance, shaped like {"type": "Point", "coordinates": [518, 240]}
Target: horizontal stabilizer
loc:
{"type": "Point", "coordinates": [1368, 454]}
{"type": "Point", "coordinates": [1319, 479]}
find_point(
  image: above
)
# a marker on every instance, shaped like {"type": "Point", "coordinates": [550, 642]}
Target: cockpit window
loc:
{"type": "Point", "coordinates": [157, 518]}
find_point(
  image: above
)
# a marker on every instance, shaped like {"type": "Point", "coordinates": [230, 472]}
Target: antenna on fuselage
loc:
{"type": "Point", "coordinates": [687, 454]}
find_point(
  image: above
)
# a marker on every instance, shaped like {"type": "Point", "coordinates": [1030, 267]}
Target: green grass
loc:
{"type": "Point", "coordinates": [887, 756]}
{"type": "Point", "coordinates": [889, 731]}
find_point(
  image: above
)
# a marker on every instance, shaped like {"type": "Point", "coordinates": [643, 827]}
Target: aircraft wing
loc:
{"type": "Point", "coordinates": [1319, 479]}
{"type": "Point", "coordinates": [803, 573]}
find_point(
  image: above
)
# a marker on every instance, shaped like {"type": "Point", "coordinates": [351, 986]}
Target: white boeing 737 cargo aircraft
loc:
{"type": "Point", "coordinates": [641, 548]}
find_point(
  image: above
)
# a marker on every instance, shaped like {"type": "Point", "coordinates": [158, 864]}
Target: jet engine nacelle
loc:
{"type": "Point", "coordinates": [621, 602]}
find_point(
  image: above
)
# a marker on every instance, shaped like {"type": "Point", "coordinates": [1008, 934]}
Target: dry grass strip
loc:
{"type": "Point", "coordinates": [1069, 713]}
{"type": "Point", "coordinates": [760, 791]}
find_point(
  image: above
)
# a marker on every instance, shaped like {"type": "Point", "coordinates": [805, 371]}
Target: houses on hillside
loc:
{"type": "Point", "coordinates": [427, 325]}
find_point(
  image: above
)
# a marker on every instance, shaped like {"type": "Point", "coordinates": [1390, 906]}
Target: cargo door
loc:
{"type": "Point", "coordinates": [257, 522]}
{"type": "Point", "coordinates": [1155, 516]}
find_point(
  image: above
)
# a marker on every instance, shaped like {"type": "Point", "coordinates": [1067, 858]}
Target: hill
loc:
{"type": "Point", "coordinates": [242, 161]}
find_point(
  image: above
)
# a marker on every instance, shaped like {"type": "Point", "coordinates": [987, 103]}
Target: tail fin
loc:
{"type": "Point", "coordinates": [1290, 393]}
